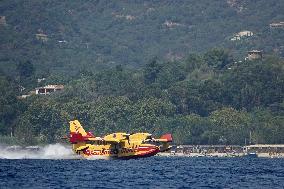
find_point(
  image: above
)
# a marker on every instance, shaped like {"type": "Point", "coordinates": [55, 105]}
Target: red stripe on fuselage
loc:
{"type": "Point", "coordinates": [142, 155]}
{"type": "Point", "coordinates": [146, 148]}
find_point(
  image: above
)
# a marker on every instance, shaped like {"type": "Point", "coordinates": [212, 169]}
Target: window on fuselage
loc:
{"type": "Point", "coordinates": [90, 142]}
{"type": "Point", "coordinates": [101, 143]}
{"type": "Point", "coordinates": [148, 138]}
{"type": "Point", "coordinates": [149, 142]}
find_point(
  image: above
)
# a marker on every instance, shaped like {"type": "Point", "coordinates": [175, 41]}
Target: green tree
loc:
{"type": "Point", "coordinates": [42, 121]}
{"type": "Point", "coordinates": [267, 127]}
{"type": "Point", "coordinates": [194, 61]}
{"type": "Point", "coordinates": [151, 71]}
{"type": "Point", "coordinates": [25, 69]}
{"type": "Point", "coordinates": [170, 73]}
{"type": "Point", "coordinates": [111, 114]}
{"type": "Point", "coordinates": [187, 129]}
{"type": "Point", "coordinates": [8, 106]}
{"type": "Point", "coordinates": [146, 112]}
{"type": "Point", "coordinates": [231, 126]}
{"type": "Point", "coordinates": [254, 84]}
{"type": "Point", "coordinates": [218, 58]}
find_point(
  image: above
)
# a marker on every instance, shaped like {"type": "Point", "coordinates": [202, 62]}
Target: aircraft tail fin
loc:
{"type": "Point", "coordinates": [165, 140]}
{"type": "Point", "coordinates": [76, 127]}
{"type": "Point", "coordinates": [77, 133]}
{"type": "Point", "coordinates": [167, 137]}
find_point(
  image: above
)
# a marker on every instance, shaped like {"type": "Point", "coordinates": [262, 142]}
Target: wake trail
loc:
{"type": "Point", "coordinates": [51, 151]}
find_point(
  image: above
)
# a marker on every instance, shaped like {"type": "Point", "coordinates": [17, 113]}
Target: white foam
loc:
{"type": "Point", "coordinates": [51, 151]}
{"type": "Point", "coordinates": [98, 158]}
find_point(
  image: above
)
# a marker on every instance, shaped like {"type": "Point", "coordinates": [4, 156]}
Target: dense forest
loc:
{"type": "Point", "coordinates": [99, 34]}
{"type": "Point", "coordinates": [154, 66]}
{"type": "Point", "coordinates": [205, 99]}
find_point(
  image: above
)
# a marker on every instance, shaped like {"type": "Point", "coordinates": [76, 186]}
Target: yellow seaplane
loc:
{"type": "Point", "coordinates": [116, 145]}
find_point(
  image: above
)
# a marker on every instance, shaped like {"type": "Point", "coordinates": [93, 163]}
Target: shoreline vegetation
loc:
{"type": "Point", "coordinates": [207, 72]}
{"type": "Point", "coordinates": [199, 100]}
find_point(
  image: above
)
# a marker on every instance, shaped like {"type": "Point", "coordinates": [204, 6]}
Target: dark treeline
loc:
{"type": "Point", "coordinates": [204, 99]}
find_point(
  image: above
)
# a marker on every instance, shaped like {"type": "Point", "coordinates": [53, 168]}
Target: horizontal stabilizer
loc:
{"type": "Point", "coordinates": [165, 138]}
{"type": "Point", "coordinates": [77, 137]}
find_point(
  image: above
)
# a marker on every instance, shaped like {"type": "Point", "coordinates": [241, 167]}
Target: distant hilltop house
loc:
{"type": "Point", "coordinates": [127, 17]}
{"type": "Point", "coordinates": [62, 41]}
{"type": "Point", "coordinates": [171, 24]}
{"type": "Point", "coordinates": [41, 37]}
{"type": "Point", "coordinates": [254, 55]}
{"type": "Point", "coordinates": [41, 79]}
{"type": "Point", "coordinates": [3, 20]}
{"type": "Point", "coordinates": [277, 25]}
{"type": "Point", "coordinates": [21, 88]}
{"type": "Point", "coordinates": [242, 34]}
{"type": "Point", "coordinates": [48, 89]}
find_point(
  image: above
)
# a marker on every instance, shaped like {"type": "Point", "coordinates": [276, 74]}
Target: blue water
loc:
{"type": "Point", "coordinates": [153, 172]}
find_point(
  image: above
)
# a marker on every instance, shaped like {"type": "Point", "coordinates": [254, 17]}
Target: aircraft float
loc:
{"type": "Point", "coordinates": [116, 145]}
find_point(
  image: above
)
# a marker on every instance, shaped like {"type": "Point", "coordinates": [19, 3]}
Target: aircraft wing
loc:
{"type": "Point", "coordinates": [164, 138]}
{"type": "Point", "coordinates": [160, 140]}
{"type": "Point", "coordinates": [112, 140]}
{"type": "Point", "coordinates": [95, 139]}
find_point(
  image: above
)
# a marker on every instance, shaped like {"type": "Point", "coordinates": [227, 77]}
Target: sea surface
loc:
{"type": "Point", "coordinates": [57, 171]}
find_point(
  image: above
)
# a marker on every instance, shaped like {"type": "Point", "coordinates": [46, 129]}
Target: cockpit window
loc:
{"type": "Point", "coordinates": [149, 137]}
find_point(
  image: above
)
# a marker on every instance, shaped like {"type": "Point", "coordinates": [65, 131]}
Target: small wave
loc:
{"type": "Point", "coordinates": [99, 158]}
{"type": "Point", "coordinates": [51, 151]}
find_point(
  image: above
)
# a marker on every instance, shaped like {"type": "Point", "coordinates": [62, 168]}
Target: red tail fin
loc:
{"type": "Point", "coordinates": [77, 137]}
{"type": "Point", "coordinates": [168, 137]}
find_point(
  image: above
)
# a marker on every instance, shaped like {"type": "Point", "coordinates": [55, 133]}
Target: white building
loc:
{"type": "Point", "coordinates": [242, 34]}
{"type": "Point", "coordinates": [48, 89]}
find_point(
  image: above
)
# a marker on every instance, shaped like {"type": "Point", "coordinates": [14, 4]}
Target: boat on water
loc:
{"type": "Point", "coordinates": [251, 155]}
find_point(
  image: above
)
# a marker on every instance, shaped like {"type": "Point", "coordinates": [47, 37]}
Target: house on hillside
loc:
{"type": "Point", "coordinates": [127, 17]}
{"type": "Point", "coordinates": [171, 24]}
{"type": "Point", "coordinates": [39, 80]}
{"type": "Point", "coordinates": [48, 89]}
{"type": "Point", "coordinates": [41, 37]}
{"type": "Point", "coordinates": [3, 20]}
{"type": "Point", "coordinates": [242, 34]}
{"type": "Point", "coordinates": [254, 55]}
{"type": "Point", "coordinates": [276, 25]}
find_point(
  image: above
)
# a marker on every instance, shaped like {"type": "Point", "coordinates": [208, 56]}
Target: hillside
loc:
{"type": "Point", "coordinates": [166, 66]}
{"type": "Point", "coordinates": [89, 35]}
{"type": "Point", "coordinates": [206, 99]}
